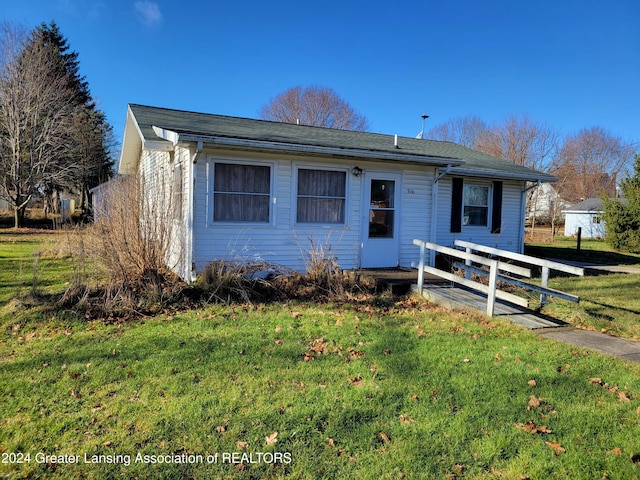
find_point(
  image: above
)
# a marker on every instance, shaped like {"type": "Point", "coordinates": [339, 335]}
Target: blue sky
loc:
{"type": "Point", "coordinates": [570, 63]}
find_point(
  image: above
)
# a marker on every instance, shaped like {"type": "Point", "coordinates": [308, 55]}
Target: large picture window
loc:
{"type": "Point", "coordinates": [321, 196]}
{"type": "Point", "coordinates": [475, 199]}
{"type": "Point", "coordinates": [241, 193]}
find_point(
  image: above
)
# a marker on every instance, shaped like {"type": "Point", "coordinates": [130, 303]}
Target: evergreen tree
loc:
{"type": "Point", "coordinates": [52, 137]}
{"type": "Point", "coordinates": [88, 160]}
{"type": "Point", "coordinates": [622, 216]}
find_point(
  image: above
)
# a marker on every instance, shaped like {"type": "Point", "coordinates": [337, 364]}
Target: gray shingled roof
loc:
{"type": "Point", "coordinates": [220, 126]}
{"type": "Point", "coordinates": [588, 205]}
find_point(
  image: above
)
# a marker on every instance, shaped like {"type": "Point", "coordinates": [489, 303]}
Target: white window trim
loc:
{"type": "Point", "coordinates": [211, 163]}
{"type": "Point", "coordinates": [489, 187]}
{"type": "Point", "coordinates": [294, 195]}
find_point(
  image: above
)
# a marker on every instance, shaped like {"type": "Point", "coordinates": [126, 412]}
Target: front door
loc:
{"type": "Point", "coordinates": [380, 246]}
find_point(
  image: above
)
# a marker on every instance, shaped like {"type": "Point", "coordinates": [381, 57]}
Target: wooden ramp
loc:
{"type": "Point", "coordinates": [456, 297]}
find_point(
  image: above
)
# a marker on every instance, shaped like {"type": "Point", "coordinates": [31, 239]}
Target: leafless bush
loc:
{"type": "Point", "coordinates": [134, 227]}
{"type": "Point", "coordinates": [227, 281]}
{"type": "Point", "coordinates": [128, 248]}
{"type": "Point", "coordinates": [322, 269]}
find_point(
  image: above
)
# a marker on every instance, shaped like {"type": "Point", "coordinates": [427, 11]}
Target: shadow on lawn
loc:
{"type": "Point", "coordinates": [589, 256]}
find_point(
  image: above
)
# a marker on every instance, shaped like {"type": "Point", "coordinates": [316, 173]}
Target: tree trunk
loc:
{"type": "Point", "coordinates": [18, 217]}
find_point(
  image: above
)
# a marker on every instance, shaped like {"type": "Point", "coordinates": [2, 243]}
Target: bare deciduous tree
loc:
{"type": "Point", "coordinates": [35, 113]}
{"type": "Point", "coordinates": [467, 131]}
{"type": "Point", "coordinates": [315, 106]}
{"type": "Point", "coordinates": [590, 163]}
{"type": "Point", "coordinates": [518, 139]}
{"type": "Point", "coordinates": [52, 137]}
{"type": "Point", "coordinates": [521, 140]}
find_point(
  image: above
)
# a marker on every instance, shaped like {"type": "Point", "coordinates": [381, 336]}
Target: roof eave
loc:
{"type": "Point", "coordinates": [296, 148]}
{"type": "Point", "coordinates": [528, 177]}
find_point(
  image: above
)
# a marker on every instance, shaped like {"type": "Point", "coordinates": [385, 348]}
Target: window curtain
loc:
{"type": "Point", "coordinates": [241, 193]}
{"type": "Point", "coordinates": [321, 196]}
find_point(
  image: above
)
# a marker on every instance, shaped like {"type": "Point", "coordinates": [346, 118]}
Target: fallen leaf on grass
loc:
{"type": "Point", "coordinates": [385, 438]}
{"type": "Point", "coordinates": [331, 442]}
{"type": "Point", "coordinates": [272, 439]}
{"type": "Point", "coordinates": [534, 402]}
{"type": "Point", "coordinates": [405, 419]}
{"type": "Point", "coordinates": [532, 428]}
{"type": "Point", "coordinates": [623, 396]}
{"type": "Point", "coordinates": [556, 446]}
{"type": "Point", "coordinates": [319, 345]}
{"type": "Point", "coordinates": [532, 383]}
{"type": "Point", "coordinates": [354, 354]}
{"type": "Point", "coordinates": [241, 445]}
{"type": "Point", "coordinates": [616, 451]}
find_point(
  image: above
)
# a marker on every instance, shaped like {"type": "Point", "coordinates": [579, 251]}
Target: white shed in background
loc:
{"type": "Point", "coordinates": [586, 215]}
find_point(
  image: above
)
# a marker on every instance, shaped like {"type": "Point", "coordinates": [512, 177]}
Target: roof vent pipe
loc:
{"type": "Point", "coordinates": [395, 141]}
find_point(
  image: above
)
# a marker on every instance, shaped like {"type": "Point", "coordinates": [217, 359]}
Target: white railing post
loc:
{"type": "Point", "coordinates": [421, 268]}
{"type": "Point", "coordinates": [491, 296]}
{"type": "Point", "coordinates": [467, 262]}
{"type": "Point", "coordinates": [544, 282]}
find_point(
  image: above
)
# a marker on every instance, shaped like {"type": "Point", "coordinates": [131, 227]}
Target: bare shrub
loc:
{"type": "Point", "coordinates": [134, 227]}
{"type": "Point", "coordinates": [322, 269]}
{"type": "Point", "coordinates": [129, 250]}
{"type": "Point", "coordinates": [227, 281]}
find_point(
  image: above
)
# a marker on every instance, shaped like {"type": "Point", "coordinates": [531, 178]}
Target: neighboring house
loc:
{"type": "Point", "coordinates": [247, 189]}
{"type": "Point", "coordinates": [586, 215]}
{"type": "Point", "coordinates": [545, 203]}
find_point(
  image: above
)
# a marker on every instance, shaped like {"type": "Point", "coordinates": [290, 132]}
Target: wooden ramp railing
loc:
{"type": "Point", "coordinates": [498, 268]}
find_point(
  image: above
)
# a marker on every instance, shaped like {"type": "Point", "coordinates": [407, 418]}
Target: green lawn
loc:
{"type": "Point", "coordinates": [608, 302]}
{"type": "Point", "coordinates": [591, 250]}
{"type": "Point", "coordinates": [381, 388]}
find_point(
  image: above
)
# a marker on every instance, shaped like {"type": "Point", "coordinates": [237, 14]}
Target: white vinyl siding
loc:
{"type": "Point", "coordinates": [285, 241]}
{"type": "Point", "coordinates": [282, 241]}
{"type": "Point", "coordinates": [590, 222]}
{"type": "Point", "coordinates": [509, 237]}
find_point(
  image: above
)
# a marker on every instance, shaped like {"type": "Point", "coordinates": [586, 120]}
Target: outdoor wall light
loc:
{"type": "Point", "coordinates": [356, 171]}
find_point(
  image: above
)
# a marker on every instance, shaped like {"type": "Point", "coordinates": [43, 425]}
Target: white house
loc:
{"type": "Point", "coordinates": [586, 215]}
{"type": "Point", "coordinates": [545, 203]}
{"type": "Point", "coordinates": [249, 188]}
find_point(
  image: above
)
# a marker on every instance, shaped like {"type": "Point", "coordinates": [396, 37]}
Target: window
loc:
{"type": "Point", "coordinates": [241, 193]}
{"type": "Point", "coordinates": [596, 219]}
{"type": "Point", "coordinates": [470, 205]}
{"type": "Point", "coordinates": [475, 199]}
{"type": "Point", "coordinates": [321, 196]}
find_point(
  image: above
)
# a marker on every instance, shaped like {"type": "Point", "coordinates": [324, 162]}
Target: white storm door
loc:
{"type": "Point", "coordinates": [380, 244]}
